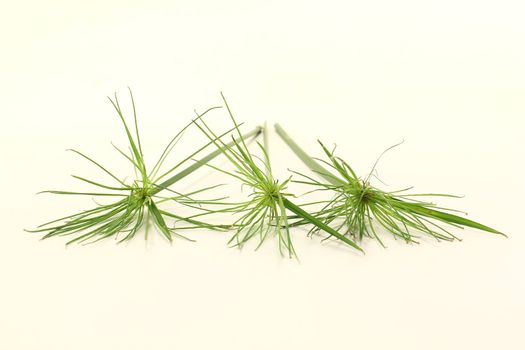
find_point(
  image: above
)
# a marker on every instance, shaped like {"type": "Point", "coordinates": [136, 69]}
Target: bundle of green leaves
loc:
{"type": "Point", "coordinates": [265, 210]}
{"type": "Point", "coordinates": [358, 208]}
{"type": "Point", "coordinates": [139, 199]}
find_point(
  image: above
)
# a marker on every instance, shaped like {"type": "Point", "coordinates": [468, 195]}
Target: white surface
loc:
{"type": "Point", "coordinates": [446, 76]}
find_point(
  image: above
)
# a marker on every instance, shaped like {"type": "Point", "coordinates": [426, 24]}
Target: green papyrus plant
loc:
{"type": "Point", "coordinates": [359, 208]}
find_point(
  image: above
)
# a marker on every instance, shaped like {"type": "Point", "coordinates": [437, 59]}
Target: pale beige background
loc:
{"type": "Point", "coordinates": [448, 77]}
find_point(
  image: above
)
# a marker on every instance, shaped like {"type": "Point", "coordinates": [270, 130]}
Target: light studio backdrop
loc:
{"type": "Point", "coordinates": [447, 77]}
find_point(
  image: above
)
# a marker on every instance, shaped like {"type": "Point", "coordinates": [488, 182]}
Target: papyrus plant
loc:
{"type": "Point", "coordinates": [138, 201]}
{"type": "Point", "coordinates": [266, 210]}
{"type": "Point", "coordinates": [357, 208]}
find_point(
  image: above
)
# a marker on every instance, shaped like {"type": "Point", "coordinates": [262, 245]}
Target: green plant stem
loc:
{"type": "Point", "coordinates": [308, 217]}
{"type": "Point", "coordinates": [295, 208]}
{"type": "Point", "coordinates": [298, 210]}
{"type": "Point", "coordinates": [307, 160]}
{"type": "Point", "coordinates": [201, 162]}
